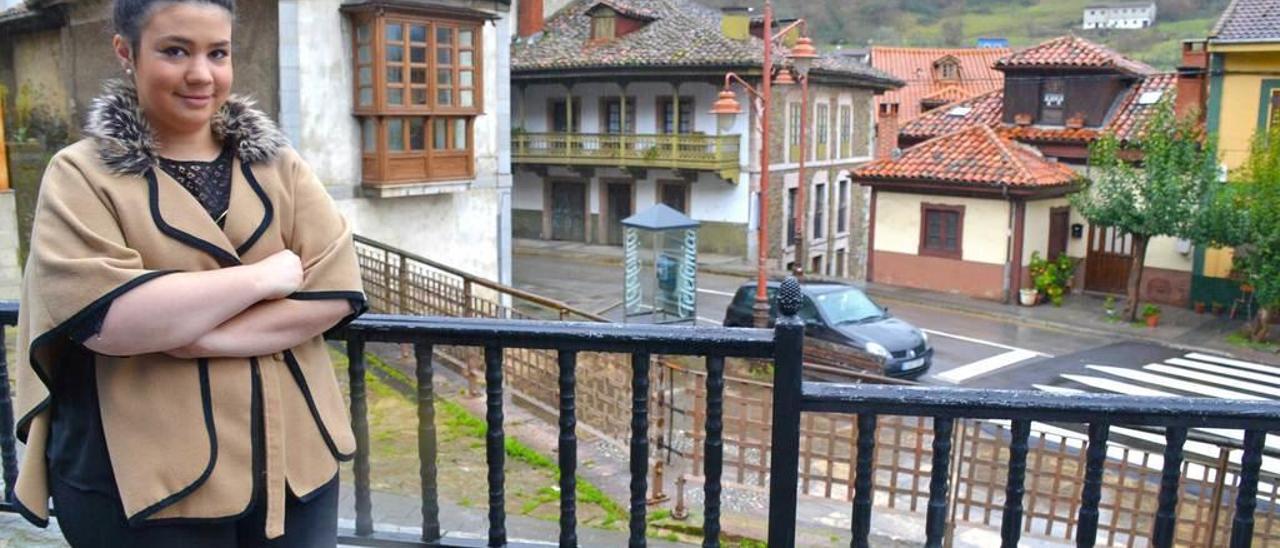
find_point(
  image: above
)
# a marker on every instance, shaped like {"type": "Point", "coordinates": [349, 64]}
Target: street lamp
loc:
{"type": "Point", "coordinates": [727, 108]}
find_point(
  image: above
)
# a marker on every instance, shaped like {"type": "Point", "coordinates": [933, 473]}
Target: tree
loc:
{"type": "Point", "coordinates": [1161, 197]}
{"type": "Point", "coordinates": [1245, 214]}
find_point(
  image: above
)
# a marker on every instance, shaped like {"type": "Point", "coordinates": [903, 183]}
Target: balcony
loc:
{"type": "Point", "coordinates": [717, 153]}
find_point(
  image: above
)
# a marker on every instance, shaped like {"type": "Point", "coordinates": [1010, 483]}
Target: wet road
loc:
{"type": "Point", "coordinates": [969, 350]}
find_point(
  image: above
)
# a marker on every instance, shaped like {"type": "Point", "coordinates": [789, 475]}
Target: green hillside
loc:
{"type": "Point", "coordinates": [856, 23]}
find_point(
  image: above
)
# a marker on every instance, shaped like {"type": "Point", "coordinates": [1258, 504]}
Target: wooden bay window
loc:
{"type": "Point", "coordinates": [418, 90]}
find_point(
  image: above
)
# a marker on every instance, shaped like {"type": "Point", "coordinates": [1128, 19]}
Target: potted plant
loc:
{"type": "Point", "coordinates": [1152, 314]}
{"type": "Point", "coordinates": [1217, 308]}
{"type": "Point", "coordinates": [1199, 307]}
{"type": "Point", "coordinates": [1028, 296]}
{"type": "Point", "coordinates": [1109, 306]}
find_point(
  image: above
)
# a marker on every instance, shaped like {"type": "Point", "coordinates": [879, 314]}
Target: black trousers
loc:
{"type": "Point", "coordinates": [89, 519]}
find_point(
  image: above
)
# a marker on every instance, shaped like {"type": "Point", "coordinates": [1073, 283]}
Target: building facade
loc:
{"type": "Point", "coordinates": [611, 110]}
{"type": "Point", "coordinates": [419, 163]}
{"type": "Point", "coordinates": [1129, 15]}
{"type": "Point", "coordinates": [1243, 99]}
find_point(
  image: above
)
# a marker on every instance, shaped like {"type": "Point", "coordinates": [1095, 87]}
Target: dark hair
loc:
{"type": "Point", "coordinates": [129, 16]}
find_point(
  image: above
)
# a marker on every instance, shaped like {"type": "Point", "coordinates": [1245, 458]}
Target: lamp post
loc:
{"type": "Point", "coordinates": [727, 107]}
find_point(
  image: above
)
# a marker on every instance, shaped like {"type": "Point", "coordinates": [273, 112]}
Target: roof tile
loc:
{"type": "Point", "coordinates": [1248, 21]}
{"type": "Point", "coordinates": [1071, 51]}
{"type": "Point", "coordinates": [915, 66]}
{"type": "Point", "coordinates": [974, 156]}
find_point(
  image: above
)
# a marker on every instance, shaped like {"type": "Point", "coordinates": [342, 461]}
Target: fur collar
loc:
{"type": "Point", "coordinates": [127, 145]}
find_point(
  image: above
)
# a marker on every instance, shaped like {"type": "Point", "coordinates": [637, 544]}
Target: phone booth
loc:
{"type": "Point", "coordinates": [660, 267]}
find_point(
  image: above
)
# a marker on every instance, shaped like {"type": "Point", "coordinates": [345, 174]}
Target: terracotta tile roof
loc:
{"type": "Point", "coordinates": [983, 110]}
{"type": "Point", "coordinates": [1072, 52]}
{"type": "Point", "coordinates": [631, 8]}
{"type": "Point", "coordinates": [915, 66]}
{"type": "Point", "coordinates": [1126, 119]}
{"type": "Point", "coordinates": [949, 94]}
{"type": "Point", "coordinates": [974, 156]}
{"type": "Point", "coordinates": [1248, 21]}
{"type": "Point", "coordinates": [680, 33]}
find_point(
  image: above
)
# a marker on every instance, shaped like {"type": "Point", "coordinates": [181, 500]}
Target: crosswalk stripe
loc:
{"type": "Point", "coordinates": [1166, 382]}
{"type": "Point", "coordinates": [1236, 363]}
{"type": "Point", "coordinates": [987, 365]}
{"type": "Point", "coordinates": [1057, 389]}
{"type": "Point", "coordinates": [1214, 379]}
{"type": "Point", "coordinates": [1225, 370]}
{"type": "Point", "coordinates": [1134, 390]}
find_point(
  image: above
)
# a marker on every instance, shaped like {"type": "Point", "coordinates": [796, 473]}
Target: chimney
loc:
{"type": "Point", "coordinates": [1192, 72]}
{"type": "Point", "coordinates": [886, 130]}
{"type": "Point", "coordinates": [529, 17]}
{"type": "Point", "coordinates": [735, 23]}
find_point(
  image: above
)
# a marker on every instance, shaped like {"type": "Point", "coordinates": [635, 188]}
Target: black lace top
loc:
{"type": "Point", "coordinates": [209, 182]}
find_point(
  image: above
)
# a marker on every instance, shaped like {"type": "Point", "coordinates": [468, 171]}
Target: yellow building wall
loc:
{"type": "Point", "coordinates": [985, 225]}
{"type": "Point", "coordinates": [1241, 88]}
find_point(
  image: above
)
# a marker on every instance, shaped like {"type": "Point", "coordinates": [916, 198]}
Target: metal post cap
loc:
{"type": "Point", "coordinates": [789, 297]}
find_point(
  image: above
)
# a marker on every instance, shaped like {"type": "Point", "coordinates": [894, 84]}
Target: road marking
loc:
{"type": "Point", "coordinates": [1214, 379]}
{"type": "Point", "coordinates": [1224, 370]}
{"type": "Point", "coordinates": [980, 341]}
{"type": "Point", "coordinates": [987, 365]}
{"type": "Point", "coordinates": [714, 292]}
{"type": "Point", "coordinates": [1237, 363]}
{"type": "Point", "coordinates": [1057, 389]}
{"type": "Point", "coordinates": [709, 320]}
{"type": "Point", "coordinates": [1166, 382]}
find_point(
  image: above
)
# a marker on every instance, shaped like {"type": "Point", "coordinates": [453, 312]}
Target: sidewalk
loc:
{"type": "Point", "coordinates": [1080, 313]}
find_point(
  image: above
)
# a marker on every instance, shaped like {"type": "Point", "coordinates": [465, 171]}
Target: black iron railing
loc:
{"type": "Point", "coordinates": [791, 398]}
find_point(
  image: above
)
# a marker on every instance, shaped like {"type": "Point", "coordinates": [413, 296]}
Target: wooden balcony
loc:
{"type": "Point", "coordinates": [717, 153]}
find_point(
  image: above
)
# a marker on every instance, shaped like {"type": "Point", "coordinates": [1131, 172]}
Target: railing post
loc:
{"type": "Point", "coordinates": [360, 426]}
{"type": "Point", "coordinates": [784, 456]}
{"type": "Point", "coordinates": [467, 309]}
{"type": "Point", "coordinates": [8, 443]}
{"type": "Point", "coordinates": [1247, 490]}
{"type": "Point", "coordinates": [424, 372]}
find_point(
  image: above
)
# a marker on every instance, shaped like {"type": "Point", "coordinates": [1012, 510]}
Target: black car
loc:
{"type": "Point", "coordinates": [843, 314]}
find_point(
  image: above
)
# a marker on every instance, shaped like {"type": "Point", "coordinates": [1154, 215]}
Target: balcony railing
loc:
{"type": "Point", "coordinates": [500, 340]}
{"type": "Point", "coordinates": [671, 151]}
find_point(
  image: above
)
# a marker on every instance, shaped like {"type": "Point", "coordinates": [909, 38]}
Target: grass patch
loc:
{"type": "Point", "coordinates": [1242, 340]}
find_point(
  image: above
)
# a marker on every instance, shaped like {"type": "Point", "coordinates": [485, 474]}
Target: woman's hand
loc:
{"type": "Point", "coordinates": [279, 275]}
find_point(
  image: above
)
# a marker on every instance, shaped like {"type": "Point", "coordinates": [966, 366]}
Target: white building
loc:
{"type": "Point", "coordinates": [611, 115]}
{"type": "Point", "coordinates": [1128, 15]}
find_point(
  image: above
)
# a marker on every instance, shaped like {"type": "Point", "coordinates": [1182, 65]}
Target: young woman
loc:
{"type": "Point", "coordinates": [173, 386]}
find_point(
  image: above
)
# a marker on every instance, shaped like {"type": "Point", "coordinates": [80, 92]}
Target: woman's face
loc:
{"type": "Point", "coordinates": [182, 65]}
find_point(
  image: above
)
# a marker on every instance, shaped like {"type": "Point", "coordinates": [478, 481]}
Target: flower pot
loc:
{"type": "Point", "coordinates": [1028, 297]}
{"type": "Point", "coordinates": [1199, 308]}
{"type": "Point", "coordinates": [1153, 320]}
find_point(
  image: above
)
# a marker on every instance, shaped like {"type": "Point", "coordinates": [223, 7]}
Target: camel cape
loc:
{"type": "Point", "coordinates": [179, 432]}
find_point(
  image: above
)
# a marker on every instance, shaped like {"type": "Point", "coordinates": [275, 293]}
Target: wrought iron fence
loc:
{"type": "Point", "coordinates": [676, 151]}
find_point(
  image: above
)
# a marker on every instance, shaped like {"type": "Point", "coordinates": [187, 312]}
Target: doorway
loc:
{"type": "Point", "coordinates": [618, 205]}
{"type": "Point", "coordinates": [569, 211]}
{"type": "Point", "coordinates": [1107, 264]}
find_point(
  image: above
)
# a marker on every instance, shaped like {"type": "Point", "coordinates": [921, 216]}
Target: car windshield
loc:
{"type": "Point", "coordinates": [849, 305]}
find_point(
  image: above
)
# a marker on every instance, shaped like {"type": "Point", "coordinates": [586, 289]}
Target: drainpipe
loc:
{"type": "Point", "coordinates": [1008, 249]}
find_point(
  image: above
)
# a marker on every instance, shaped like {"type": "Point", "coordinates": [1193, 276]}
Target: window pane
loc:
{"type": "Point", "coordinates": [466, 98]}
{"type": "Point", "coordinates": [366, 96]}
{"type": "Point", "coordinates": [363, 33]}
{"type": "Point", "coordinates": [395, 96]}
{"type": "Point", "coordinates": [418, 76]}
{"type": "Point", "coordinates": [440, 133]}
{"type": "Point", "coordinates": [464, 78]}
{"type": "Point", "coordinates": [418, 33]}
{"type": "Point", "coordinates": [444, 77]}
{"type": "Point", "coordinates": [417, 55]}
{"type": "Point", "coordinates": [465, 58]}
{"type": "Point", "coordinates": [395, 54]}
{"type": "Point", "coordinates": [465, 37]}
{"type": "Point", "coordinates": [366, 55]}
{"type": "Point", "coordinates": [370, 135]}
{"type": "Point", "coordinates": [460, 133]}
{"type": "Point", "coordinates": [417, 134]}
{"type": "Point", "coordinates": [444, 56]}
{"type": "Point", "coordinates": [395, 32]}
{"type": "Point", "coordinates": [366, 76]}
{"type": "Point", "coordinates": [418, 96]}
{"type": "Point", "coordinates": [444, 36]}
{"type": "Point", "coordinates": [395, 134]}
{"type": "Point", "coordinates": [444, 97]}
{"type": "Point", "coordinates": [395, 75]}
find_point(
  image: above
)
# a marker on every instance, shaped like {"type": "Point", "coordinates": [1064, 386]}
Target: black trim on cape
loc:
{"type": "Point", "coordinates": [223, 257]}
{"type": "Point", "coordinates": [268, 209]}
{"type": "Point", "coordinates": [206, 401]}
{"type": "Point", "coordinates": [299, 378]}
{"type": "Point", "coordinates": [359, 304]}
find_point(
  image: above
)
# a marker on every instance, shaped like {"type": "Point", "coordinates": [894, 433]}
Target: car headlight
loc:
{"type": "Point", "coordinates": [877, 349]}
